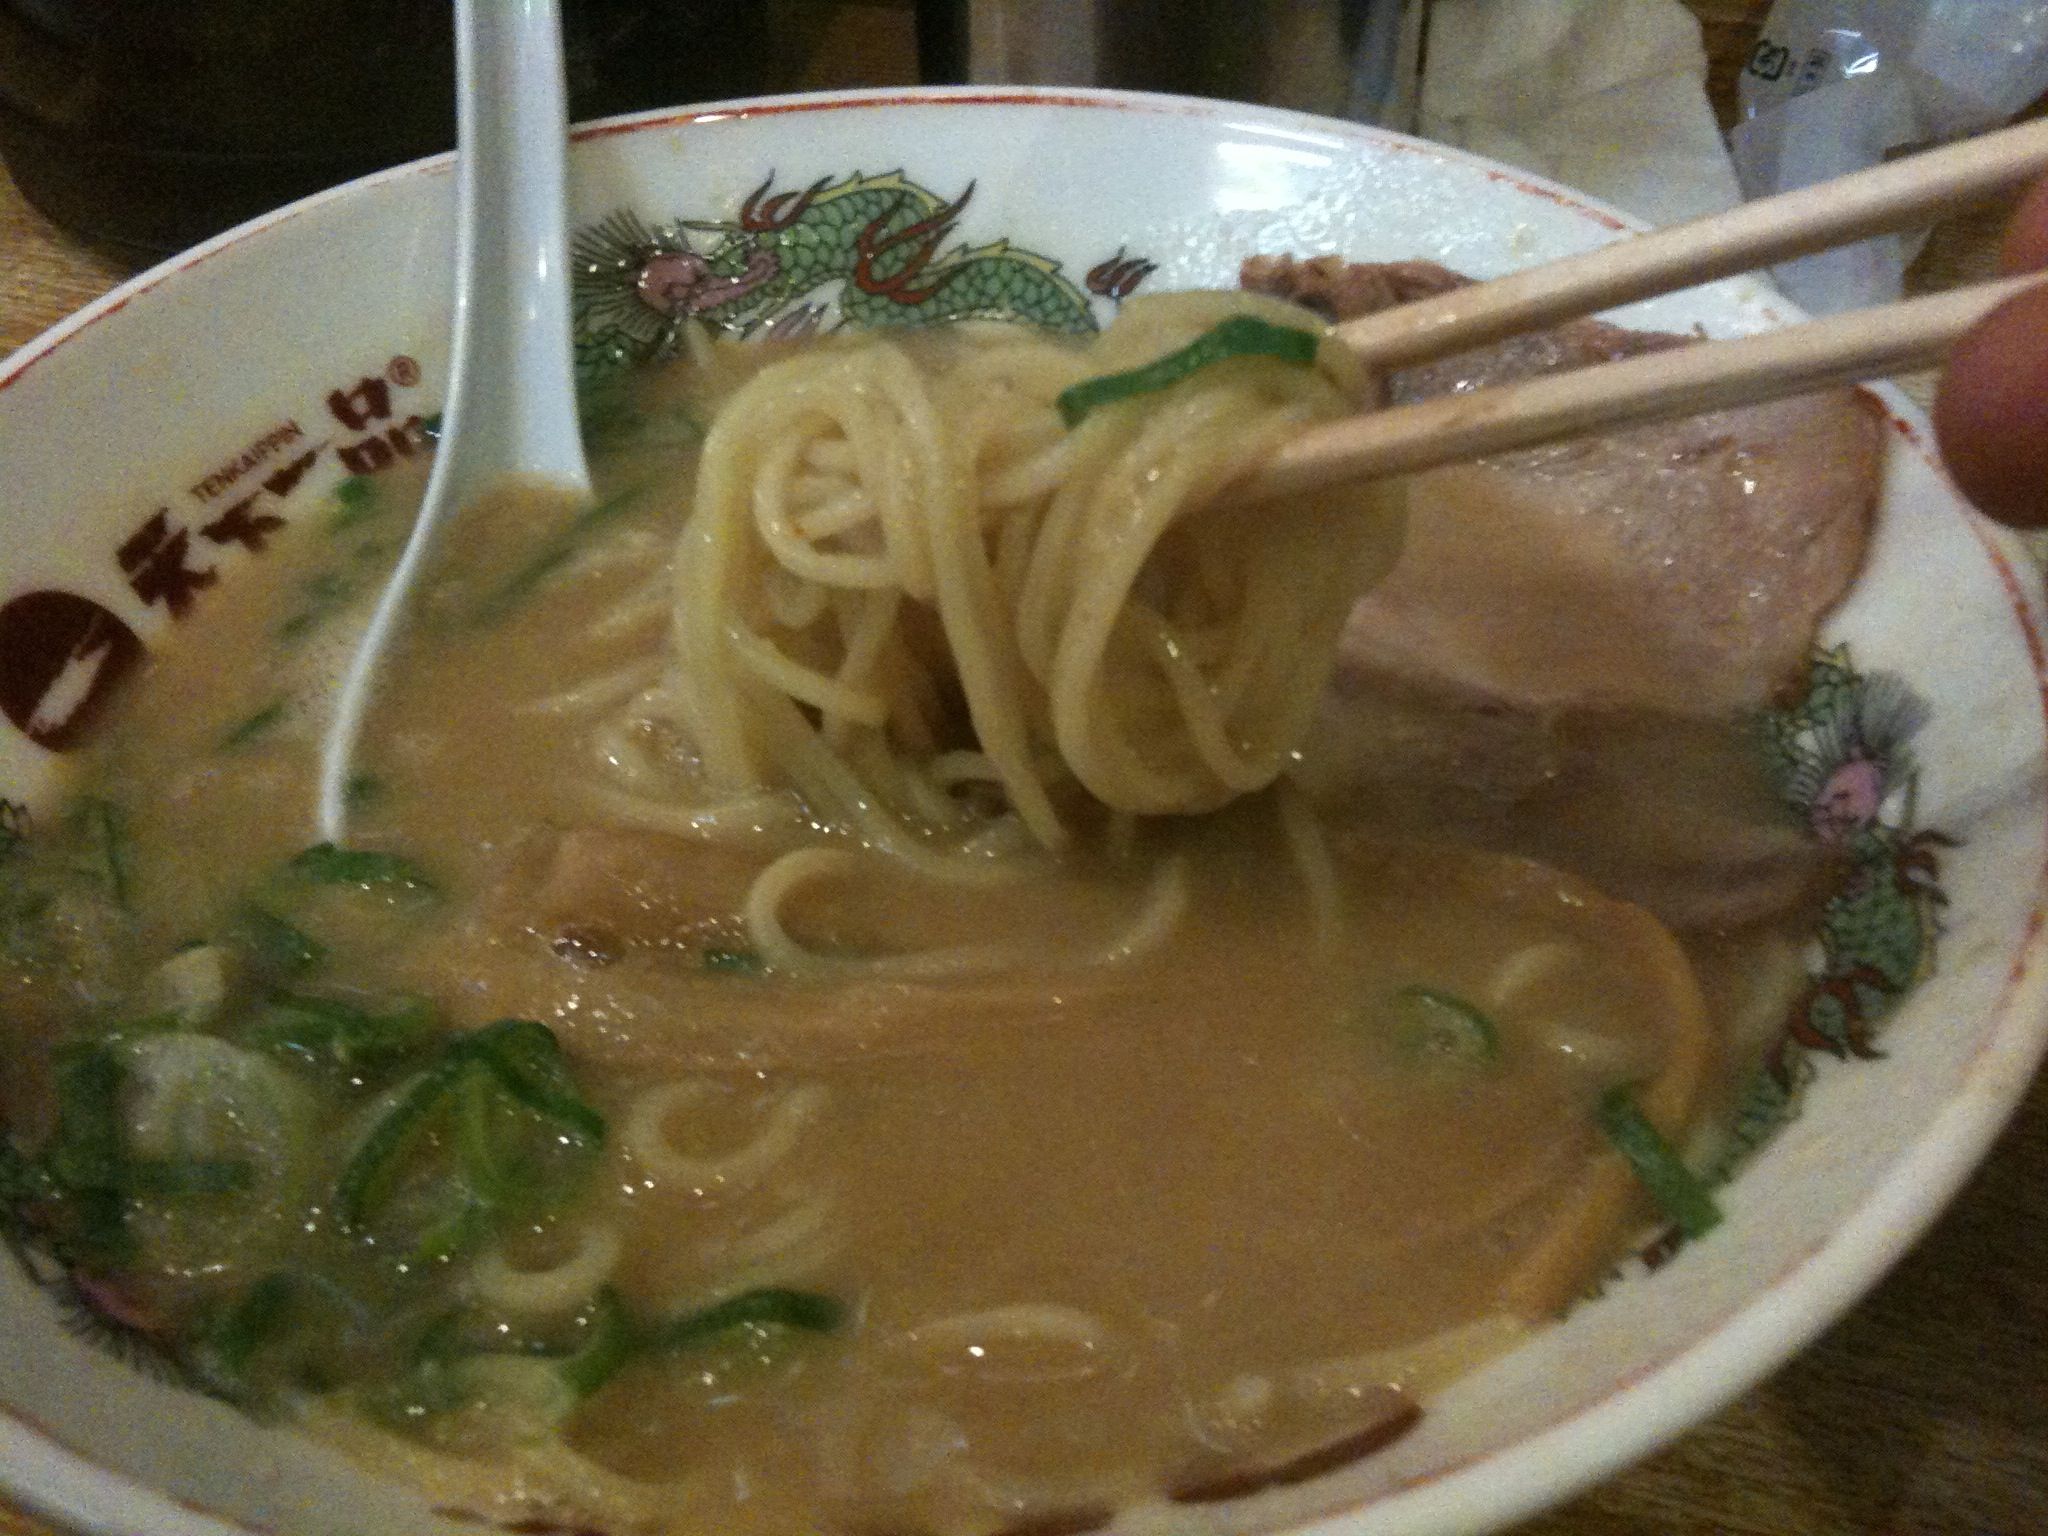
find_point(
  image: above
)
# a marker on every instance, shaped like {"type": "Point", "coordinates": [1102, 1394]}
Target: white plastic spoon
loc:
{"type": "Point", "coordinates": [511, 406]}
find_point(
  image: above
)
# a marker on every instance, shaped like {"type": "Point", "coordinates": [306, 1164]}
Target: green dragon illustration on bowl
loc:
{"type": "Point", "coordinates": [871, 248]}
{"type": "Point", "coordinates": [1843, 764]}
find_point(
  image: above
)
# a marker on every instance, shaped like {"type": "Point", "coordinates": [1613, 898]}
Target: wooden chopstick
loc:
{"type": "Point", "coordinates": [1905, 193]}
{"type": "Point", "coordinates": [1682, 381]}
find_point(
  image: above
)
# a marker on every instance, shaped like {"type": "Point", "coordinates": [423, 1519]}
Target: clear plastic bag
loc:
{"type": "Point", "coordinates": [1833, 86]}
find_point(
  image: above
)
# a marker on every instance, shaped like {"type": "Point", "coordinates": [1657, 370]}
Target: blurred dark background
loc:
{"type": "Point", "coordinates": [150, 124]}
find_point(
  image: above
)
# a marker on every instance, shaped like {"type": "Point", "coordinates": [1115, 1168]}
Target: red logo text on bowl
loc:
{"type": "Point", "coordinates": [60, 656]}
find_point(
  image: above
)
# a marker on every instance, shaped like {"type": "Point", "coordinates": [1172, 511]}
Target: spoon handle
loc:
{"type": "Point", "coordinates": [510, 407]}
{"type": "Point", "coordinates": [514, 365]}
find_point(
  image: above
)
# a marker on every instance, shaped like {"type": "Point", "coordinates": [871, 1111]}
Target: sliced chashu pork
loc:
{"type": "Point", "coordinates": [602, 933]}
{"type": "Point", "coordinates": [1537, 671]}
{"type": "Point", "coordinates": [1679, 567]}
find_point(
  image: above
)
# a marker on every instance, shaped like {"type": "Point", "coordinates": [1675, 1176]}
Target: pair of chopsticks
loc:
{"type": "Point", "coordinates": [1683, 381]}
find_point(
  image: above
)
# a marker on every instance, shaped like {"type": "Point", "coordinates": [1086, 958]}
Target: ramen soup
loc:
{"type": "Point", "coordinates": [832, 1013]}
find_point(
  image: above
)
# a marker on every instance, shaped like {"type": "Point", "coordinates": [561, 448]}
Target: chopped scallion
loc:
{"type": "Point", "coordinates": [553, 555]}
{"type": "Point", "coordinates": [329, 1032]}
{"type": "Point", "coordinates": [369, 1174]}
{"type": "Point", "coordinates": [275, 949]}
{"type": "Point", "coordinates": [329, 864]}
{"type": "Point", "coordinates": [613, 1338]}
{"type": "Point", "coordinates": [245, 731]}
{"type": "Point", "coordinates": [743, 962]}
{"type": "Point", "coordinates": [766, 1308]}
{"type": "Point", "coordinates": [356, 500]}
{"type": "Point", "coordinates": [86, 1160]}
{"type": "Point", "coordinates": [229, 1347]}
{"type": "Point", "coordinates": [1680, 1195]}
{"type": "Point", "coordinates": [1239, 336]}
{"type": "Point", "coordinates": [515, 1063]}
{"type": "Point", "coordinates": [103, 827]}
{"type": "Point", "coordinates": [88, 1149]}
{"type": "Point", "coordinates": [526, 1060]}
{"type": "Point", "coordinates": [616, 1336]}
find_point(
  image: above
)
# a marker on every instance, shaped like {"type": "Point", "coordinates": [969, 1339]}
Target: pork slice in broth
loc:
{"type": "Point", "coordinates": [1580, 628]}
{"type": "Point", "coordinates": [622, 888]}
{"type": "Point", "coordinates": [1679, 567]}
{"type": "Point", "coordinates": [630, 946]}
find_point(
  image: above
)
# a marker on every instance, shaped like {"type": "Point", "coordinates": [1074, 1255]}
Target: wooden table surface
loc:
{"type": "Point", "coordinates": [1924, 1411]}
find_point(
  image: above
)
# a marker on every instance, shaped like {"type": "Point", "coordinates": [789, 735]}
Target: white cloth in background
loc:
{"type": "Point", "coordinates": [1605, 95]}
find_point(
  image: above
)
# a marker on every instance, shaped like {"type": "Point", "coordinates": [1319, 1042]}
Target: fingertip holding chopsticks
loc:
{"type": "Point", "coordinates": [1682, 381]}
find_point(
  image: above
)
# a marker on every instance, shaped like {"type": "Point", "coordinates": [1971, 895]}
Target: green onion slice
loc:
{"type": "Point", "coordinates": [1679, 1194]}
{"type": "Point", "coordinates": [88, 1152]}
{"type": "Point", "coordinates": [329, 864]}
{"type": "Point", "coordinates": [1442, 1026]}
{"type": "Point", "coordinates": [514, 1060]}
{"type": "Point", "coordinates": [330, 1032]}
{"type": "Point", "coordinates": [610, 1334]}
{"type": "Point", "coordinates": [737, 962]}
{"type": "Point", "coordinates": [367, 1177]}
{"type": "Point", "coordinates": [613, 1339]}
{"type": "Point", "coordinates": [1239, 336]}
{"type": "Point", "coordinates": [230, 1345]}
{"type": "Point", "coordinates": [245, 731]}
{"type": "Point", "coordinates": [355, 500]}
{"type": "Point", "coordinates": [559, 549]}
{"type": "Point", "coordinates": [526, 1060]}
{"type": "Point", "coordinates": [275, 949]}
{"type": "Point", "coordinates": [87, 1161]}
{"type": "Point", "coordinates": [103, 825]}
{"type": "Point", "coordinates": [766, 1308]}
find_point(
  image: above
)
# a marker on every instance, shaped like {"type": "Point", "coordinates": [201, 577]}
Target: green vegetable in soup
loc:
{"type": "Point", "coordinates": [356, 501]}
{"type": "Point", "coordinates": [274, 950]}
{"type": "Point", "coordinates": [615, 1336]}
{"type": "Point", "coordinates": [196, 1099]}
{"type": "Point", "coordinates": [766, 1308]}
{"type": "Point", "coordinates": [1683, 1199]}
{"type": "Point", "coordinates": [225, 1351]}
{"type": "Point", "coordinates": [335, 1034]}
{"type": "Point", "coordinates": [1239, 336]}
{"type": "Point", "coordinates": [737, 962]}
{"type": "Point", "coordinates": [254, 727]}
{"type": "Point", "coordinates": [554, 554]}
{"type": "Point", "coordinates": [289, 1332]}
{"type": "Point", "coordinates": [161, 1119]}
{"type": "Point", "coordinates": [534, 1383]}
{"type": "Point", "coordinates": [324, 593]}
{"type": "Point", "coordinates": [274, 1179]}
{"type": "Point", "coordinates": [85, 1161]}
{"type": "Point", "coordinates": [329, 864]}
{"type": "Point", "coordinates": [493, 1127]}
{"type": "Point", "coordinates": [192, 988]}
{"type": "Point", "coordinates": [101, 829]}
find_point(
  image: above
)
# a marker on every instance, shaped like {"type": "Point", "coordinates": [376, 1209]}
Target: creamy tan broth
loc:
{"type": "Point", "coordinates": [1105, 1230]}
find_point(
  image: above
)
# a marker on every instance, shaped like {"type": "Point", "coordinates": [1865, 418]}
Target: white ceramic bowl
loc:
{"type": "Point", "coordinates": [149, 440]}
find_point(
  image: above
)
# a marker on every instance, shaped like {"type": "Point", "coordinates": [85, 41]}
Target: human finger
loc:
{"type": "Point", "coordinates": [1991, 414]}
